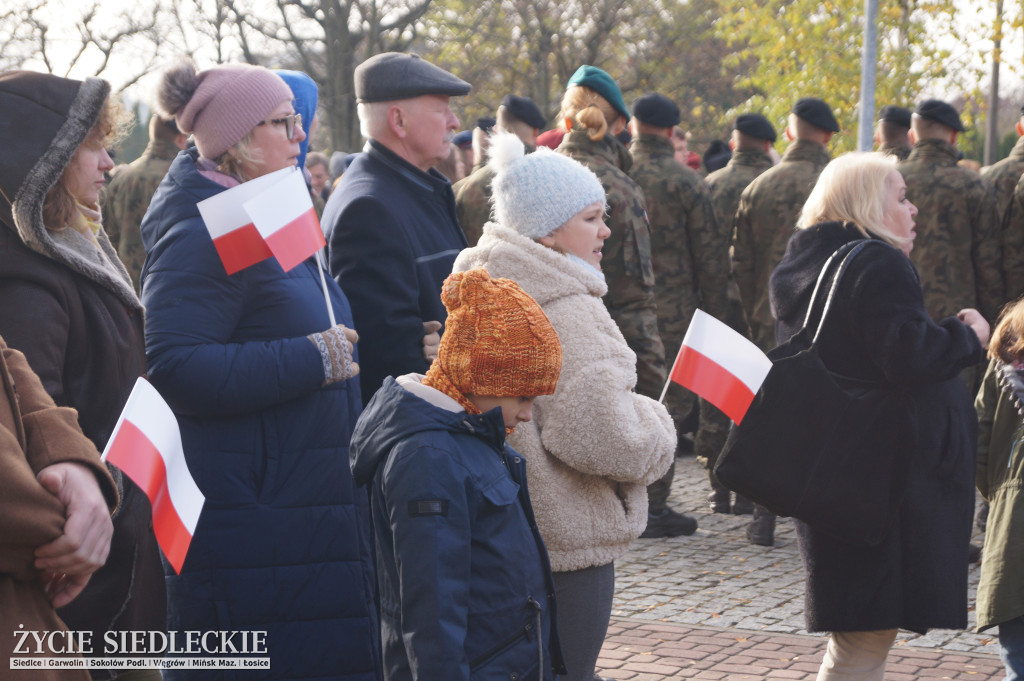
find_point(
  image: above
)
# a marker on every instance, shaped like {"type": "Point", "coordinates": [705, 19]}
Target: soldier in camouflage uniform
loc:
{"type": "Point", "coordinates": [690, 255]}
{"type": "Point", "coordinates": [765, 220]}
{"type": "Point", "coordinates": [957, 249]}
{"type": "Point", "coordinates": [128, 195]}
{"type": "Point", "coordinates": [892, 133]}
{"type": "Point", "coordinates": [752, 137]}
{"type": "Point", "coordinates": [1013, 231]}
{"type": "Point", "coordinates": [593, 112]}
{"type": "Point", "coordinates": [1004, 177]}
{"type": "Point", "coordinates": [518, 115]}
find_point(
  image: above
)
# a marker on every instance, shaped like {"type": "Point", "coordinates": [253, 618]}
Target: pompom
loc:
{"type": "Point", "coordinates": [177, 87]}
{"type": "Point", "coordinates": [505, 149]}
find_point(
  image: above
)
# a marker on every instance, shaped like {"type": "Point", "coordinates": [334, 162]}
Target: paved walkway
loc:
{"type": "Point", "coordinates": [713, 606]}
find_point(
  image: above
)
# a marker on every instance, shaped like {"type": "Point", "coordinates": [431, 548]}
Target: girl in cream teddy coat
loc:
{"type": "Point", "coordinates": [594, 446]}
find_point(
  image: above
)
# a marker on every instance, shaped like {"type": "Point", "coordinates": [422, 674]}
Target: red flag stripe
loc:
{"type": "Point", "coordinates": [135, 454]}
{"type": "Point", "coordinates": [241, 248]}
{"type": "Point", "coordinates": [714, 383]}
{"type": "Point", "coordinates": [297, 240]}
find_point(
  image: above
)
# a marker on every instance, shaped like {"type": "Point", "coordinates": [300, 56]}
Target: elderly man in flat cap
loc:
{"type": "Point", "coordinates": [691, 263]}
{"type": "Point", "coordinates": [892, 132]}
{"type": "Point", "coordinates": [957, 249]}
{"type": "Point", "coordinates": [520, 116]}
{"type": "Point", "coordinates": [764, 221]}
{"type": "Point", "coordinates": [391, 225]}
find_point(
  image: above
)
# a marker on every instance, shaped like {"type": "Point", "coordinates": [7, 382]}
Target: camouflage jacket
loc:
{"type": "Point", "coordinates": [764, 221]}
{"type": "Point", "coordinates": [1003, 176]}
{"type": "Point", "coordinates": [690, 253]}
{"type": "Point", "coordinates": [627, 263]}
{"type": "Point", "coordinates": [727, 184]}
{"type": "Point", "coordinates": [899, 151]}
{"type": "Point", "coordinates": [1013, 243]}
{"type": "Point", "coordinates": [957, 249]}
{"type": "Point", "coordinates": [126, 199]}
{"type": "Point", "coordinates": [473, 202]}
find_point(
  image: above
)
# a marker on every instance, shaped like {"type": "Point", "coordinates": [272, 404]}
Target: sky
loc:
{"type": "Point", "coordinates": [976, 15]}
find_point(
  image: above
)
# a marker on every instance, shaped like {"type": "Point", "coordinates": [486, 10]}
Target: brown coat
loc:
{"type": "Point", "coordinates": [34, 433]}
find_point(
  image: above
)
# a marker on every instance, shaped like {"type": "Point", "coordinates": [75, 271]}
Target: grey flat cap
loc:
{"type": "Point", "coordinates": [397, 75]}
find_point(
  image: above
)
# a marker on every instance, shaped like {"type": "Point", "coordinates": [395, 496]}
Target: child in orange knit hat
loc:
{"type": "Point", "coordinates": [464, 580]}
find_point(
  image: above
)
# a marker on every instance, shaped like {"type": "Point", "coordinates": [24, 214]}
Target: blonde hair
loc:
{"type": "Point", "coordinates": [1007, 341]}
{"type": "Point", "coordinates": [853, 189]}
{"type": "Point", "coordinates": [584, 106]}
{"type": "Point", "coordinates": [112, 125]}
{"type": "Point", "coordinates": [242, 152]}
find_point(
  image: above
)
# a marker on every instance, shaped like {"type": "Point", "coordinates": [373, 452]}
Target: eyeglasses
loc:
{"type": "Point", "coordinates": [290, 124]}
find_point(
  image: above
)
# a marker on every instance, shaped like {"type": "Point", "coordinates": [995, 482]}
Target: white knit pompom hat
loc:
{"type": "Point", "coordinates": [537, 193]}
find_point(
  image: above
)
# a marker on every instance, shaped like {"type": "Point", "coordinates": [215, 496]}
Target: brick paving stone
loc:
{"type": "Point", "coordinates": [712, 606]}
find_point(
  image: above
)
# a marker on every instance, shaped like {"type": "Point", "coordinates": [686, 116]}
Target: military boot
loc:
{"type": "Point", "coordinates": [761, 530]}
{"type": "Point", "coordinates": [718, 500]}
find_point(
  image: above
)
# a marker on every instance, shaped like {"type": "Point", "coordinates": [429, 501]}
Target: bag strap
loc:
{"type": "Point", "coordinates": [847, 252]}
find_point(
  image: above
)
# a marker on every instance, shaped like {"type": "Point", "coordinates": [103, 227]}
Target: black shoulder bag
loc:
{"type": "Point", "coordinates": [829, 450]}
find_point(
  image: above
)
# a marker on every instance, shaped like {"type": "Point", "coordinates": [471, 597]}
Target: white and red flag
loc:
{"type": "Point", "coordinates": [146, 445]}
{"type": "Point", "coordinates": [720, 365]}
{"type": "Point", "coordinates": [286, 220]}
{"type": "Point", "coordinates": [234, 235]}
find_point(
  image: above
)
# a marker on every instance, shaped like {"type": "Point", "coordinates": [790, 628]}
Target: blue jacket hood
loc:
{"type": "Point", "coordinates": [395, 414]}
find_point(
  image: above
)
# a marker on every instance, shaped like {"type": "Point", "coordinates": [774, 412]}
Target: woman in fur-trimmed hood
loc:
{"type": "Point", "coordinates": [594, 446]}
{"type": "Point", "coordinates": [66, 301]}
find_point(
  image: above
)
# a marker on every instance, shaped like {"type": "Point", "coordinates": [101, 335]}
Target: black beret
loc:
{"type": "Point", "coordinates": [756, 126]}
{"type": "Point", "coordinates": [895, 114]}
{"type": "Point", "coordinates": [717, 155]}
{"type": "Point", "coordinates": [940, 112]}
{"type": "Point", "coordinates": [485, 123]}
{"type": "Point", "coordinates": [816, 112]}
{"type": "Point", "coordinates": [463, 139]}
{"type": "Point", "coordinates": [525, 110]}
{"type": "Point", "coordinates": [657, 110]}
{"type": "Point", "coordinates": [397, 75]}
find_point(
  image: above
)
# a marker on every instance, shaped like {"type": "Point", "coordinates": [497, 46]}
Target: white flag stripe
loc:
{"type": "Point", "coordinates": [151, 415]}
{"type": "Point", "coordinates": [727, 348]}
{"type": "Point", "coordinates": [224, 212]}
{"type": "Point", "coordinates": [281, 203]}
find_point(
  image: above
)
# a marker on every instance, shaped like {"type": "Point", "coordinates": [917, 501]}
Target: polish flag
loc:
{"type": "Point", "coordinates": [720, 365]}
{"type": "Point", "coordinates": [286, 220]}
{"type": "Point", "coordinates": [234, 235]}
{"type": "Point", "coordinates": [146, 445]}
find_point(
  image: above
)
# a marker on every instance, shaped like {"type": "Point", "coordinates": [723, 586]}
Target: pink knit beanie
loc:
{"type": "Point", "coordinates": [219, 106]}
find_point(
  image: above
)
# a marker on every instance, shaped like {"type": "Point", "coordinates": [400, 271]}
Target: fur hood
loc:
{"type": "Point", "coordinates": [43, 120]}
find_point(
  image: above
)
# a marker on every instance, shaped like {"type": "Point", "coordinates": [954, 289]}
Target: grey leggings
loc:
{"type": "Point", "coordinates": [584, 602]}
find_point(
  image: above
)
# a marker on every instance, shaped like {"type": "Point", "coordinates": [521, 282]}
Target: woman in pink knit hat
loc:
{"type": "Point", "coordinates": [266, 393]}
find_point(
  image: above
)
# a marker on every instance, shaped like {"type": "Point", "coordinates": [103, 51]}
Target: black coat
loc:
{"type": "Point", "coordinates": [878, 329]}
{"type": "Point", "coordinates": [392, 237]}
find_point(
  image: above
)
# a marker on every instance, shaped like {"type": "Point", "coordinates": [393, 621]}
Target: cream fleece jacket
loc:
{"type": "Point", "coordinates": [594, 446]}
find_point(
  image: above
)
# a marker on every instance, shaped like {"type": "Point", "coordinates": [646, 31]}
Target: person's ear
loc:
{"type": "Point", "coordinates": [548, 241]}
{"type": "Point", "coordinates": [567, 122]}
{"type": "Point", "coordinates": [913, 137]}
{"type": "Point", "coordinates": [1020, 129]}
{"type": "Point", "coordinates": [396, 121]}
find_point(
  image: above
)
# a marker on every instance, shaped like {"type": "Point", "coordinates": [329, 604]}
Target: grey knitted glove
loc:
{"type": "Point", "coordinates": [335, 346]}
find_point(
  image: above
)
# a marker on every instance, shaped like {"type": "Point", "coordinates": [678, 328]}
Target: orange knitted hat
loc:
{"type": "Point", "coordinates": [497, 341]}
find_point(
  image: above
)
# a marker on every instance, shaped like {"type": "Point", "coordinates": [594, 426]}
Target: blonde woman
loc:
{"type": "Point", "coordinates": [879, 332]}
